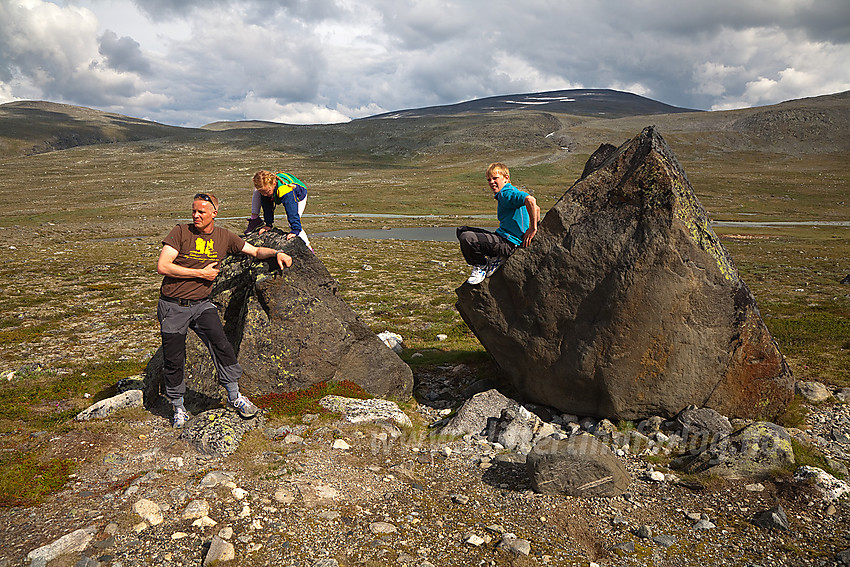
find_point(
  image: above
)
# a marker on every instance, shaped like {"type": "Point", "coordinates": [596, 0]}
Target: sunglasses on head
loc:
{"type": "Point", "coordinates": [207, 198]}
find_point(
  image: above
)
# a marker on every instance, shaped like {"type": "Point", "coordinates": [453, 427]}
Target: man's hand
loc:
{"type": "Point", "coordinates": [264, 229]}
{"type": "Point", "coordinates": [283, 260]}
{"type": "Point", "coordinates": [291, 235]}
{"type": "Point", "coordinates": [209, 272]}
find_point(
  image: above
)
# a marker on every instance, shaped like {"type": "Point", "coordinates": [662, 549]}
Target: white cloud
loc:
{"type": "Point", "coordinates": [193, 62]}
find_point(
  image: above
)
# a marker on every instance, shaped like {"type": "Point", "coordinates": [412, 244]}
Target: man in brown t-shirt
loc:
{"type": "Point", "coordinates": [189, 262]}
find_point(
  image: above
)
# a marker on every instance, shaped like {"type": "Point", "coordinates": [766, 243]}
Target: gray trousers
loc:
{"type": "Point", "coordinates": [202, 317]}
{"type": "Point", "coordinates": [477, 243]}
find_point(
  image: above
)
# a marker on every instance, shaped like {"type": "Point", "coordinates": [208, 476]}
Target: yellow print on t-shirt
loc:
{"type": "Point", "coordinates": [204, 249]}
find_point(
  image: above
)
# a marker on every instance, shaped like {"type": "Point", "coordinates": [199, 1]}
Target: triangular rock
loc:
{"type": "Point", "coordinates": [626, 304]}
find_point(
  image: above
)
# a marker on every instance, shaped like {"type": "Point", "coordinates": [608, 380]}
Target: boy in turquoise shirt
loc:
{"type": "Point", "coordinates": [518, 216]}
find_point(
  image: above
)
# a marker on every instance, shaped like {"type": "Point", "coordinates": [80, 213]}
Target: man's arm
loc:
{"type": "Point", "coordinates": [533, 219]}
{"type": "Point", "coordinates": [165, 266]}
{"type": "Point", "coordinates": [263, 253]}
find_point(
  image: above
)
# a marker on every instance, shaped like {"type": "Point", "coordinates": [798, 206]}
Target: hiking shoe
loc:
{"type": "Point", "coordinates": [181, 417]}
{"type": "Point", "coordinates": [493, 265]}
{"type": "Point", "coordinates": [254, 225]}
{"type": "Point", "coordinates": [477, 276]}
{"type": "Point", "coordinates": [243, 406]}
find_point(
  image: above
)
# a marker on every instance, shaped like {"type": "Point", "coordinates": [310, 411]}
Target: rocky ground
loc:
{"type": "Point", "coordinates": [294, 494]}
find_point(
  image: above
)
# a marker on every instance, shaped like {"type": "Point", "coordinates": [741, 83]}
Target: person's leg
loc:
{"type": "Point", "coordinates": [174, 322]}
{"type": "Point", "coordinates": [256, 204]}
{"type": "Point", "coordinates": [477, 243]}
{"type": "Point", "coordinates": [302, 204]}
{"type": "Point", "coordinates": [207, 325]}
{"type": "Point", "coordinates": [267, 204]}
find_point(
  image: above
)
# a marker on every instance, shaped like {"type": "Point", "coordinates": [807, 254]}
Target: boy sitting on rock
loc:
{"type": "Point", "coordinates": [518, 216]}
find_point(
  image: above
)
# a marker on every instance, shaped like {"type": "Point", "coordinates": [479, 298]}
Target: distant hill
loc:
{"type": "Point", "coordinates": [603, 103]}
{"type": "Point", "coordinates": [34, 127]}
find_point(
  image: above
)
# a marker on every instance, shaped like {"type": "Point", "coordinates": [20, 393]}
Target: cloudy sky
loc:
{"type": "Point", "coordinates": [191, 62]}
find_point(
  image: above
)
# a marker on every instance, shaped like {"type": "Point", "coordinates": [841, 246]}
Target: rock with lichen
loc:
{"type": "Point", "coordinates": [626, 304]}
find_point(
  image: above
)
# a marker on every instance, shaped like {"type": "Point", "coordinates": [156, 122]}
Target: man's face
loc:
{"type": "Point", "coordinates": [496, 181]}
{"type": "Point", "coordinates": [203, 214]}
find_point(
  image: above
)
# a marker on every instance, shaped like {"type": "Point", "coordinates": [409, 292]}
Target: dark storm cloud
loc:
{"type": "Point", "coordinates": [123, 54]}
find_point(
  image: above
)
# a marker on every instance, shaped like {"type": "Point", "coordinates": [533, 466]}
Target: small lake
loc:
{"type": "Point", "coordinates": [448, 233]}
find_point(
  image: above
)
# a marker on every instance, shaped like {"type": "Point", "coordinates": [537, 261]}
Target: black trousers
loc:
{"type": "Point", "coordinates": [477, 243]}
{"type": "Point", "coordinates": [175, 321]}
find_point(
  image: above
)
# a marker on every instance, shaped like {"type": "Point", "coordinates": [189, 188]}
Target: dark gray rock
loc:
{"type": "Point", "coordinates": [578, 466]}
{"type": "Point", "coordinates": [290, 329]}
{"type": "Point", "coordinates": [474, 414]}
{"type": "Point", "coordinates": [626, 304]}
{"type": "Point", "coordinates": [846, 279]}
{"type": "Point", "coordinates": [774, 518]}
{"type": "Point", "coordinates": [702, 427]}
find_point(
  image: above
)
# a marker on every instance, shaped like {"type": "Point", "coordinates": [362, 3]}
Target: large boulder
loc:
{"type": "Point", "coordinates": [290, 329]}
{"type": "Point", "coordinates": [626, 304]}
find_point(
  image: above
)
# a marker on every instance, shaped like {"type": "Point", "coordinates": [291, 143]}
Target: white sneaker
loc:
{"type": "Point", "coordinates": [493, 265]}
{"type": "Point", "coordinates": [243, 406]}
{"type": "Point", "coordinates": [180, 417]}
{"type": "Point", "coordinates": [477, 276]}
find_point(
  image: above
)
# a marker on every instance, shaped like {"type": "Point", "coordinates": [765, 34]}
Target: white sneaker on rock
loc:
{"type": "Point", "coordinates": [180, 418]}
{"type": "Point", "coordinates": [493, 265]}
{"type": "Point", "coordinates": [243, 406]}
{"type": "Point", "coordinates": [478, 274]}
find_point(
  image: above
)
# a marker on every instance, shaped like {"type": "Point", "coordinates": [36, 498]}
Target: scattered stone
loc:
{"type": "Point", "coordinates": [629, 242]}
{"type": "Point", "coordinates": [774, 518]}
{"type": "Point", "coordinates": [474, 540]}
{"type": "Point", "coordinates": [704, 525]}
{"type": "Point", "coordinates": [392, 340]}
{"type": "Point", "coordinates": [656, 476]}
{"type": "Point", "coordinates": [578, 466]}
{"type": "Point", "coordinates": [341, 445]}
{"type": "Point", "coordinates": [703, 422]}
{"type": "Point", "coordinates": [664, 540]}
{"type": "Point", "coordinates": [755, 487]}
{"type": "Point", "coordinates": [204, 522]}
{"type": "Point", "coordinates": [518, 429]}
{"type": "Point", "coordinates": [830, 487]}
{"type": "Point", "coordinates": [70, 543]}
{"type": "Point", "coordinates": [105, 408]}
{"type": "Point", "coordinates": [366, 411]}
{"type": "Point", "coordinates": [460, 498]}
{"type": "Point", "coordinates": [626, 546]}
{"type": "Point", "coordinates": [813, 392]}
{"type": "Point", "coordinates": [843, 395]}
{"type": "Point", "coordinates": [196, 509]}
{"type": "Point", "coordinates": [239, 493]}
{"type": "Point", "coordinates": [214, 478]}
{"type": "Point", "coordinates": [149, 511]}
{"type": "Point", "coordinates": [382, 528]}
{"type": "Point", "coordinates": [644, 532]}
{"type": "Point", "coordinates": [511, 543]}
{"type": "Point", "coordinates": [474, 414]}
{"type": "Point", "coordinates": [220, 551]}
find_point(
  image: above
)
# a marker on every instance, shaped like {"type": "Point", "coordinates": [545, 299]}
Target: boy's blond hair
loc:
{"type": "Point", "coordinates": [264, 178]}
{"type": "Point", "coordinates": [499, 168]}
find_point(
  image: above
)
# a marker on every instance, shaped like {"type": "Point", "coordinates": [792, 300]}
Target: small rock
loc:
{"type": "Point", "coordinates": [813, 391]}
{"type": "Point", "coordinates": [704, 525]}
{"type": "Point", "coordinates": [239, 493]}
{"type": "Point", "coordinates": [773, 518]}
{"type": "Point", "coordinates": [149, 511]}
{"type": "Point", "coordinates": [510, 542]}
{"type": "Point", "coordinates": [460, 498]}
{"type": "Point", "coordinates": [664, 540]}
{"type": "Point", "coordinates": [475, 540]}
{"type": "Point", "coordinates": [755, 487]}
{"type": "Point", "coordinates": [195, 509]}
{"type": "Point", "coordinates": [220, 551]}
{"type": "Point", "coordinates": [382, 528]}
{"type": "Point", "coordinates": [656, 476]}
{"type": "Point", "coordinates": [341, 445]}
{"type": "Point", "coordinates": [644, 532]}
